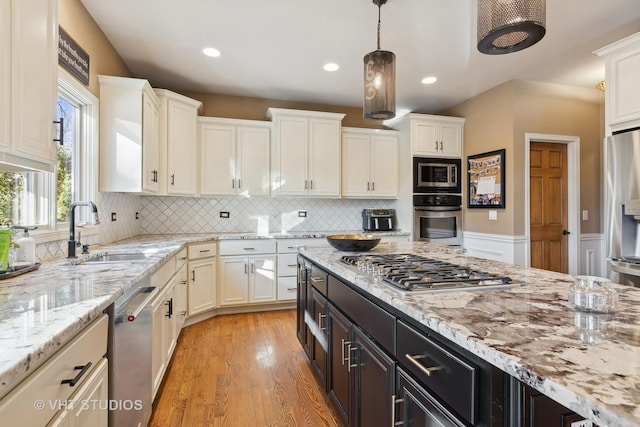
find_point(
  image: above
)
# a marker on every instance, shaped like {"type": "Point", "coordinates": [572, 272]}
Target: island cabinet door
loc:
{"type": "Point", "coordinates": [338, 375]}
{"type": "Point", "coordinates": [301, 306]}
{"type": "Point", "coordinates": [373, 382]}
{"type": "Point", "coordinates": [539, 410]}
{"type": "Point", "coordinates": [414, 406]}
{"type": "Point", "coordinates": [317, 323]}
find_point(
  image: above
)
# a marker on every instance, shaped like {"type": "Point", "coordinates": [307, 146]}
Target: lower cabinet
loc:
{"type": "Point", "coordinates": [66, 386]}
{"type": "Point", "coordinates": [89, 406]}
{"type": "Point", "coordinates": [414, 406]}
{"type": "Point", "coordinates": [540, 411]}
{"type": "Point", "coordinates": [164, 333]}
{"type": "Point", "coordinates": [317, 320]}
{"type": "Point", "coordinates": [201, 277]}
{"type": "Point", "coordinates": [247, 272]}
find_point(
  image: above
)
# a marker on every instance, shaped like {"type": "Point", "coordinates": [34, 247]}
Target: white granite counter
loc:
{"type": "Point", "coordinates": [589, 363]}
{"type": "Point", "coordinates": [42, 310]}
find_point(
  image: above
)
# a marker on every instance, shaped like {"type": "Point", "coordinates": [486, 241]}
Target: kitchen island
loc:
{"type": "Point", "coordinates": [587, 363]}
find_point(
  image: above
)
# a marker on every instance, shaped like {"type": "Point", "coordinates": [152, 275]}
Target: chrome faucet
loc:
{"type": "Point", "coordinates": [72, 225]}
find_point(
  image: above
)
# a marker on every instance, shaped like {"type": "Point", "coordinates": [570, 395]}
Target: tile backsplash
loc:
{"type": "Point", "coordinates": [162, 215]}
{"type": "Point", "coordinates": [171, 215]}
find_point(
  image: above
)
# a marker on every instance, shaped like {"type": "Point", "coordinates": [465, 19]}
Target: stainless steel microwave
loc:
{"type": "Point", "coordinates": [436, 175]}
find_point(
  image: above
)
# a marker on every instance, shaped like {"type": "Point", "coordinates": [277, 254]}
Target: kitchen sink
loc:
{"type": "Point", "coordinates": [106, 258]}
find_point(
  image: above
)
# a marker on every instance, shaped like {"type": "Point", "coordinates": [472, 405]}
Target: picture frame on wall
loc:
{"type": "Point", "coordinates": [486, 180]}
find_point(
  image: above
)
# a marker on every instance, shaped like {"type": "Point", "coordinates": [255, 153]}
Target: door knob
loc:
{"type": "Point", "coordinates": [565, 232]}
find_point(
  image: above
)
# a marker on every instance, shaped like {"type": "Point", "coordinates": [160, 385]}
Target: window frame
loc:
{"type": "Point", "coordinates": [88, 122]}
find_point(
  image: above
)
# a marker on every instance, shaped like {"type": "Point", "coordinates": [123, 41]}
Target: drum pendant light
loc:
{"type": "Point", "coordinates": [506, 26]}
{"type": "Point", "coordinates": [379, 80]}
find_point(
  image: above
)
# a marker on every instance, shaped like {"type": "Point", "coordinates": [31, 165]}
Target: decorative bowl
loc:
{"type": "Point", "coordinates": [353, 242]}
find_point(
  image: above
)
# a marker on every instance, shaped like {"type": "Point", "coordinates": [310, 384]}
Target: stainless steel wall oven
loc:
{"type": "Point", "coordinates": [438, 218]}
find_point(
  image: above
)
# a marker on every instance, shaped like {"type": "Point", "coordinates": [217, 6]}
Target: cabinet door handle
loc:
{"type": "Point", "coordinates": [373, 186]}
{"type": "Point", "coordinates": [426, 371]}
{"type": "Point", "coordinates": [245, 268]}
{"type": "Point", "coordinates": [193, 275]}
{"type": "Point", "coordinates": [83, 370]}
{"type": "Point", "coordinates": [233, 183]}
{"type": "Point", "coordinates": [305, 184]}
{"type": "Point", "coordinates": [395, 401]}
{"type": "Point", "coordinates": [169, 304]}
{"type": "Point", "coordinates": [173, 179]}
{"type": "Point", "coordinates": [344, 343]}
{"type": "Point", "coordinates": [320, 317]}
{"type": "Point", "coordinates": [368, 186]}
{"type": "Point", "coordinates": [441, 149]}
{"type": "Point", "coordinates": [436, 145]}
{"type": "Point", "coordinates": [239, 183]}
{"type": "Point", "coordinates": [60, 138]}
{"type": "Point", "coordinates": [183, 282]}
{"type": "Point", "coordinates": [349, 351]}
{"type": "Point", "coordinates": [253, 267]}
{"type": "Point", "coordinates": [311, 185]}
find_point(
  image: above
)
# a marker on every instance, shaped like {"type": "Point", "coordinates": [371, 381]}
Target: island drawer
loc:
{"type": "Point", "coordinates": [378, 323]}
{"type": "Point", "coordinates": [442, 372]}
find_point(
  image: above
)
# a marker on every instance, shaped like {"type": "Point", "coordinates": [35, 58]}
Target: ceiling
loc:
{"type": "Point", "coordinates": [276, 49]}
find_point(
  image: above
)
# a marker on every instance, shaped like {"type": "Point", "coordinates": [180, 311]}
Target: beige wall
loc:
{"type": "Point", "coordinates": [103, 58]}
{"type": "Point", "coordinates": [238, 107]}
{"type": "Point", "coordinates": [500, 117]}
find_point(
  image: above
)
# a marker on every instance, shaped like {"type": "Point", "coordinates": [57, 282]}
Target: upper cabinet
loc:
{"type": "Point", "coordinates": [306, 153]}
{"type": "Point", "coordinates": [622, 94]}
{"type": "Point", "coordinates": [434, 136]}
{"type": "Point", "coordinates": [234, 157]}
{"type": "Point", "coordinates": [369, 163]}
{"type": "Point", "coordinates": [178, 143]}
{"type": "Point", "coordinates": [129, 150]}
{"type": "Point", "coordinates": [28, 83]}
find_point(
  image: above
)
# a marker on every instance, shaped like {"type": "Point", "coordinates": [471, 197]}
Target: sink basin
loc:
{"type": "Point", "coordinates": [116, 258]}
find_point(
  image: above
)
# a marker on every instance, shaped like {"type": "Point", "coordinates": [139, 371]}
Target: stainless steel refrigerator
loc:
{"type": "Point", "coordinates": [622, 216]}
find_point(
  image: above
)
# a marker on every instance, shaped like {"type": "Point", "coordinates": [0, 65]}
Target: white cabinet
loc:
{"type": "Point", "coordinates": [287, 264]}
{"type": "Point", "coordinates": [180, 302]}
{"type": "Point", "coordinates": [202, 277]}
{"type": "Point", "coordinates": [234, 157]}
{"type": "Point", "coordinates": [369, 163]}
{"type": "Point", "coordinates": [178, 138]}
{"type": "Point", "coordinates": [306, 153]}
{"type": "Point", "coordinates": [88, 406]}
{"type": "Point", "coordinates": [163, 320]}
{"type": "Point", "coordinates": [129, 150]}
{"type": "Point", "coordinates": [247, 272]}
{"type": "Point", "coordinates": [437, 136]}
{"type": "Point", "coordinates": [28, 83]}
{"type": "Point", "coordinates": [81, 360]}
{"type": "Point", "coordinates": [622, 71]}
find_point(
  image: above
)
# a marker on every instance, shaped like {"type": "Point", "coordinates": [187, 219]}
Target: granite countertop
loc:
{"type": "Point", "coordinates": [43, 310]}
{"type": "Point", "coordinates": [589, 363]}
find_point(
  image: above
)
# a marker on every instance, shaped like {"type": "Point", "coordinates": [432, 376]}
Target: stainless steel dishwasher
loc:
{"type": "Point", "coordinates": [130, 373]}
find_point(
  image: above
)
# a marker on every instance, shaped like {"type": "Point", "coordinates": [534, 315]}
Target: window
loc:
{"type": "Point", "coordinates": [43, 199]}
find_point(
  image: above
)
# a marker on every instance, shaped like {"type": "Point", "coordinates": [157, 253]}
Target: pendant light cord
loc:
{"type": "Point", "coordinates": [379, 8]}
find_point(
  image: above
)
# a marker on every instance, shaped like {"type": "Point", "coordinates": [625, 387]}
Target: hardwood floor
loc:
{"type": "Point", "coordinates": [241, 370]}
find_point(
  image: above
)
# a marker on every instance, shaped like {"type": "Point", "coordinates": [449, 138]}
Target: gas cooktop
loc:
{"type": "Point", "coordinates": [411, 274]}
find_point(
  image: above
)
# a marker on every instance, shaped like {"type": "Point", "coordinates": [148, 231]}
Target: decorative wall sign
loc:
{"type": "Point", "coordinates": [486, 180]}
{"type": "Point", "coordinates": [72, 57]}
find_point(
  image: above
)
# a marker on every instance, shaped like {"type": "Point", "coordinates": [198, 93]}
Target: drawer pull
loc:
{"type": "Point", "coordinates": [292, 289]}
{"type": "Point", "coordinates": [83, 370]}
{"type": "Point", "coordinates": [204, 251]}
{"type": "Point", "coordinates": [320, 317]}
{"type": "Point", "coordinates": [395, 401]}
{"type": "Point", "coordinates": [427, 371]}
{"type": "Point", "coordinates": [292, 265]}
{"type": "Point", "coordinates": [249, 249]}
{"type": "Point", "coordinates": [316, 279]}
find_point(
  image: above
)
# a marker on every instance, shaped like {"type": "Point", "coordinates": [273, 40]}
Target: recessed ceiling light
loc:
{"type": "Point", "coordinates": [212, 52]}
{"type": "Point", "coordinates": [429, 80]}
{"type": "Point", "coordinates": [331, 67]}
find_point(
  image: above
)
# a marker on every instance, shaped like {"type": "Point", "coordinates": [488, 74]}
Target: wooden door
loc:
{"type": "Point", "coordinates": [548, 206]}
